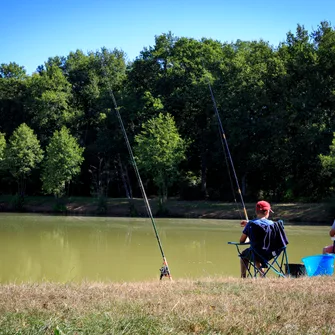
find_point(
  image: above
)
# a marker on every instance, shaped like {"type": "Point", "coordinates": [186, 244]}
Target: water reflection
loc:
{"type": "Point", "coordinates": [35, 248]}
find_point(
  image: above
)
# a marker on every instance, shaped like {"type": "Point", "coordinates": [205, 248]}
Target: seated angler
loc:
{"type": "Point", "coordinates": [330, 249]}
{"type": "Point", "coordinates": [256, 237]}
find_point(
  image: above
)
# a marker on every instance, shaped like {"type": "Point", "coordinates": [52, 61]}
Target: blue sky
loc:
{"type": "Point", "coordinates": [34, 30]}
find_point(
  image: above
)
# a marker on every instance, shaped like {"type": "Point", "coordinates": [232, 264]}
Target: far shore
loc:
{"type": "Point", "coordinates": [312, 213]}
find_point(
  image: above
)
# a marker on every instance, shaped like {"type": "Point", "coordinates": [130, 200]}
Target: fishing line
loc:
{"type": "Point", "coordinates": [227, 150]}
{"type": "Point", "coordinates": [164, 270]}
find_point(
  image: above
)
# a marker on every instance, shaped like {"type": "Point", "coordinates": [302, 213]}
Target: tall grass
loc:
{"type": "Point", "coordinates": [207, 306]}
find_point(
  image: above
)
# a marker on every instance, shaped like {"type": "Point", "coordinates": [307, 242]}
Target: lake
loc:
{"type": "Point", "coordinates": [36, 248]}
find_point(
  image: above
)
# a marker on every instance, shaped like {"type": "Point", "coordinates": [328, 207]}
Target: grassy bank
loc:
{"type": "Point", "coordinates": [291, 212]}
{"type": "Point", "coordinates": [207, 306]}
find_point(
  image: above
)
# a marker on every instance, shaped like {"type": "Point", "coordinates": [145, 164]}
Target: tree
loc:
{"type": "Point", "coordinates": [49, 106]}
{"type": "Point", "coordinates": [22, 154]}
{"type": "Point", "coordinates": [173, 74]}
{"type": "Point", "coordinates": [306, 107]}
{"type": "Point", "coordinates": [62, 162]}
{"type": "Point", "coordinates": [91, 77]}
{"type": "Point", "coordinates": [12, 70]}
{"type": "Point", "coordinates": [13, 88]}
{"type": "Point", "coordinates": [159, 151]}
{"type": "Point", "coordinates": [2, 146]}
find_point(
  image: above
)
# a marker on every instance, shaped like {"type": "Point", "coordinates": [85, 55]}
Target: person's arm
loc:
{"type": "Point", "coordinates": [245, 233]}
{"type": "Point", "coordinates": [243, 238]}
{"type": "Point", "coordinates": [332, 233]}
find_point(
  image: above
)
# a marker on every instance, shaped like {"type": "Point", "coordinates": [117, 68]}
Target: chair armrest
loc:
{"type": "Point", "coordinates": [238, 243]}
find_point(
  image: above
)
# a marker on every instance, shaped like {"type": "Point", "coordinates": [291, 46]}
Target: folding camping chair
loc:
{"type": "Point", "coordinates": [267, 246]}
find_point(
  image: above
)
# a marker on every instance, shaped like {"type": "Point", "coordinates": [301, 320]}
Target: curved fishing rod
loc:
{"type": "Point", "coordinates": [164, 270]}
{"type": "Point", "coordinates": [228, 151]}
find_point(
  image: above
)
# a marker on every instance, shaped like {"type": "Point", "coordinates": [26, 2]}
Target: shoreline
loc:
{"type": "Point", "coordinates": [312, 213]}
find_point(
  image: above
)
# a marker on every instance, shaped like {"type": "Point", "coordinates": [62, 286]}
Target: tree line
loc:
{"type": "Point", "coordinates": [59, 133]}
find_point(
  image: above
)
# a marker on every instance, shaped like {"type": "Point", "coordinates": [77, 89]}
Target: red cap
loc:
{"type": "Point", "coordinates": [263, 206]}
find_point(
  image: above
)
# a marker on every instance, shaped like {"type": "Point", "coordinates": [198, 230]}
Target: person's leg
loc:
{"type": "Point", "coordinates": [258, 265]}
{"type": "Point", "coordinates": [244, 260]}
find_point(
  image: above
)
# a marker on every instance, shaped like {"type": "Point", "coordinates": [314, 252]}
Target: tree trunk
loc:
{"type": "Point", "coordinates": [204, 175]}
{"type": "Point", "coordinates": [125, 179]}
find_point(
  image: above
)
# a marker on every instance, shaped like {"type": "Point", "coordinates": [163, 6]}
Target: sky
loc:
{"type": "Point", "coordinates": [31, 31]}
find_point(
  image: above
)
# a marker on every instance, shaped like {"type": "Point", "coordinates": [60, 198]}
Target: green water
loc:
{"type": "Point", "coordinates": [35, 248]}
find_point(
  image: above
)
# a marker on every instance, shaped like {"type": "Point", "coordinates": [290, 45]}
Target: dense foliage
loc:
{"type": "Point", "coordinates": [62, 162]}
{"type": "Point", "coordinates": [21, 156]}
{"type": "Point", "coordinates": [159, 151]}
{"type": "Point", "coordinates": [277, 106]}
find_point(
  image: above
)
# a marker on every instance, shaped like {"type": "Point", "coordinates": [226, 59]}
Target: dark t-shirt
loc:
{"type": "Point", "coordinates": [256, 231]}
{"type": "Point", "coordinates": [265, 235]}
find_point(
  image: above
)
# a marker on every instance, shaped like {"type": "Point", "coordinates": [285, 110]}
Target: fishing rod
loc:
{"type": "Point", "coordinates": [229, 173]}
{"type": "Point", "coordinates": [227, 150]}
{"type": "Point", "coordinates": [164, 270]}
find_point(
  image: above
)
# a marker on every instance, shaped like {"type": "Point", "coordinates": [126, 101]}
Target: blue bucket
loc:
{"type": "Point", "coordinates": [319, 265]}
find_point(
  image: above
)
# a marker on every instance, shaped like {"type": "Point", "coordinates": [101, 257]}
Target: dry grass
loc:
{"type": "Point", "coordinates": [208, 306]}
